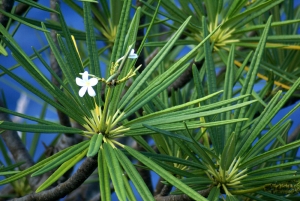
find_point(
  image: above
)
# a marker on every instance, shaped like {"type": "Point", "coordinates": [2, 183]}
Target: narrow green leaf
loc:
{"type": "Point", "coordinates": [152, 91]}
{"type": "Point", "coordinates": [36, 167]}
{"type": "Point", "coordinates": [37, 5]}
{"type": "Point", "coordinates": [36, 136]}
{"type": "Point", "coordinates": [251, 75]}
{"type": "Point", "coordinates": [199, 150]}
{"type": "Point", "coordinates": [214, 194]}
{"type": "Point", "coordinates": [231, 198]}
{"type": "Point", "coordinates": [94, 66]}
{"type": "Point", "coordinates": [188, 114]}
{"type": "Point", "coordinates": [274, 167]}
{"type": "Point", "coordinates": [70, 45]}
{"type": "Point", "coordinates": [6, 155]}
{"type": "Point", "coordinates": [177, 126]}
{"type": "Point", "coordinates": [103, 174]}
{"type": "Point", "coordinates": [7, 173]}
{"type": "Point", "coordinates": [128, 188]}
{"type": "Point", "coordinates": [53, 74]}
{"type": "Point", "coordinates": [268, 155]}
{"type": "Point", "coordinates": [70, 153]}
{"type": "Point", "coordinates": [128, 65]}
{"type": "Point", "coordinates": [38, 120]}
{"type": "Point", "coordinates": [268, 175]}
{"type": "Point", "coordinates": [15, 17]}
{"type": "Point", "coordinates": [134, 176]}
{"type": "Point", "coordinates": [174, 170]}
{"type": "Point", "coordinates": [2, 50]}
{"type": "Point", "coordinates": [274, 108]}
{"type": "Point", "coordinates": [44, 97]}
{"type": "Point", "coordinates": [228, 152]}
{"type": "Point", "coordinates": [216, 134]}
{"type": "Point", "coordinates": [272, 196]}
{"type": "Point", "coordinates": [165, 174]}
{"type": "Point", "coordinates": [61, 170]}
{"type": "Point", "coordinates": [115, 171]}
{"type": "Point", "coordinates": [228, 87]}
{"type": "Point", "coordinates": [95, 144]}
{"type": "Point", "coordinates": [167, 133]}
{"type": "Point", "coordinates": [266, 139]}
{"type": "Point", "coordinates": [241, 18]}
{"type": "Point", "coordinates": [141, 79]}
{"type": "Point", "coordinates": [38, 128]}
{"type": "Point", "coordinates": [172, 109]}
{"type": "Point", "coordinates": [120, 21]}
{"type": "Point", "coordinates": [173, 159]}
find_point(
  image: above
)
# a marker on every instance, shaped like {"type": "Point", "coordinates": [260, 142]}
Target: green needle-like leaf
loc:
{"type": "Point", "coordinates": [61, 170]}
{"type": "Point", "coordinates": [134, 176]}
{"type": "Point", "coordinates": [164, 174]}
{"type": "Point", "coordinates": [103, 174]}
{"type": "Point", "coordinates": [269, 154]}
{"type": "Point", "coordinates": [115, 171]}
{"type": "Point", "coordinates": [228, 152]}
{"type": "Point", "coordinates": [95, 144]}
{"type": "Point", "coordinates": [70, 153]}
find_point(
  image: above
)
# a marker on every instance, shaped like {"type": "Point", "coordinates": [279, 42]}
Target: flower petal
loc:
{"type": "Point", "coordinates": [91, 91]}
{"type": "Point", "coordinates": [132, 55]}
{"type": "Point", "coordinates": [82, 91]}
{"type": "Point", "coordinates": [93, 81]}
{"type": "Point", "coordinates": [85, 76]}
{"type": "Point", "coordinates": [80, 82]}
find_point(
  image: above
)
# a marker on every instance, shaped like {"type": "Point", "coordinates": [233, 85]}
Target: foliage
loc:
{"type": "Point", "coordinates": [212, 133]}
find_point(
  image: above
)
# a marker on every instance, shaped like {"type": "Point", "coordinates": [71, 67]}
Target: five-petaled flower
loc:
{"type": "Point", "coordinates": [86, 84]}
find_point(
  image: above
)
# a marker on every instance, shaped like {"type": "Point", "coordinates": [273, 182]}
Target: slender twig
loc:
{"type": "Point", "coordinates": [83, 172]}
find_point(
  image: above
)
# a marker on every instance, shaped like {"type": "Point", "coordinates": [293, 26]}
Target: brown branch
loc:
{"type": "Point", "coordinates": [60, 191]}
{"type": "Point", "coordinates": [294, 135]}
{"type": "Point", "coordinates": [165, 190]}
{"type": "Point", "coordinates": [86, 191]}
{"type": "Point", "coordinates": [182, 197]}
{"type": "Point", "coordinates": [18, 150]}
{"type": "Point", "coordinates": [6, 190]}
{"type": "Point", "coordinates": [159, 186]}
{"type": "Point", "coordinates": [22, 8]}
{"type": "Point", "coordinates": [185, 77]}
{"type": "Point", "coordinates": [5, 5]}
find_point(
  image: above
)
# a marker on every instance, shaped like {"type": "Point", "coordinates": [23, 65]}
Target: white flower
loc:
{"type": "Point", "coordinates": [86, 84]}
{"type": "Point", "coordinates": [132, 55]}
